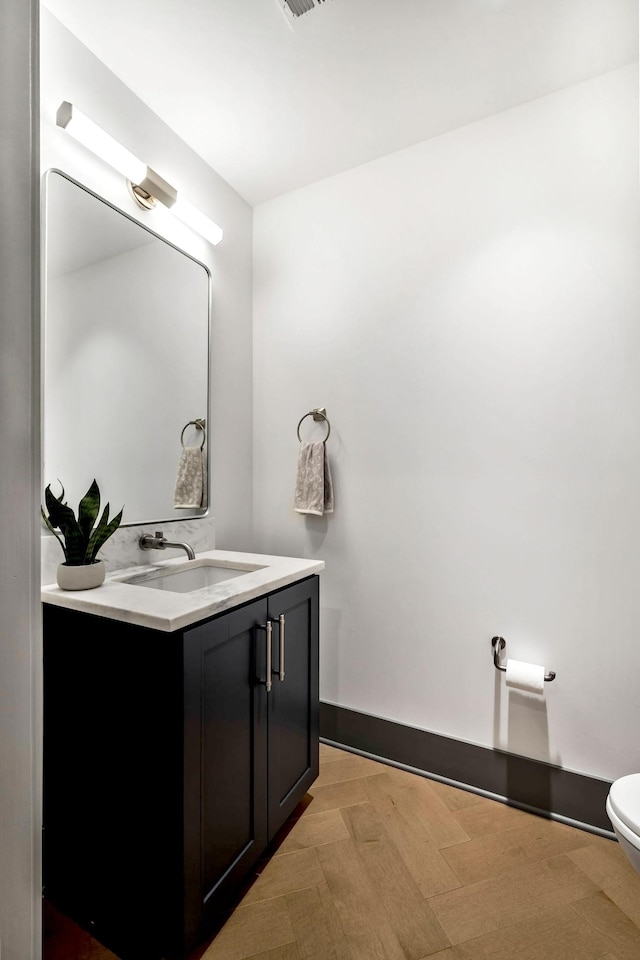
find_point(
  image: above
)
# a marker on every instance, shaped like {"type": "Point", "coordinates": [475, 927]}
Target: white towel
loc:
{"type": "Point", "coordinates": [314, 488]}
{"type": "Point", "coordinates": [191, 482]}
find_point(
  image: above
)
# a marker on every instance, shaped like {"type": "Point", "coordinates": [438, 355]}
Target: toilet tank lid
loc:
{"type": "Point", "coordinates": [624, 797]}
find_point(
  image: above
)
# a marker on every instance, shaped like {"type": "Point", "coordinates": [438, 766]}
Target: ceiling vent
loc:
{"type": "Point", "coordinates": [296, 8]}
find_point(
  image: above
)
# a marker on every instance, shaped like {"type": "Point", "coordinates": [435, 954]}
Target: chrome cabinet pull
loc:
{"type": "Point", "coordinates": [268, 628]}
{"type": "Point", "coordinates": [269, 682]}
{"type": "Point", "coordinates": [281, 622]}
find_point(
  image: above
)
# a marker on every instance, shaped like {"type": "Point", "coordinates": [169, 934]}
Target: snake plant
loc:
{"type": "Point", "coordinates": [79, 538]}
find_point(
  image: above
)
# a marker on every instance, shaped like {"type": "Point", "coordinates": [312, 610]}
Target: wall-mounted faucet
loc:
{"type": "Point", "coordinates": [158, 542]}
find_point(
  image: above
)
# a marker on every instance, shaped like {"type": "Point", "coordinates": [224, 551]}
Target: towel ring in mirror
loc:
{"type": "Point", "coordinates": [199, 425]}
{"type": "Point", "coordinates": [318, 414]}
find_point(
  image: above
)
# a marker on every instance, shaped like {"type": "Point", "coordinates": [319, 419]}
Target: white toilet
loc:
{"type": "Point", "coordinates": [623, 809]}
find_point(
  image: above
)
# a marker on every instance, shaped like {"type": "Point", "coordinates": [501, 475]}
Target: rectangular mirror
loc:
{"type": "Point", "coordinates": [126, 356]}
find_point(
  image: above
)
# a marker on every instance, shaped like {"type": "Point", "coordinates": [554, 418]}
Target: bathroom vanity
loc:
{"type": "Point", "coordinates": [181, 731]}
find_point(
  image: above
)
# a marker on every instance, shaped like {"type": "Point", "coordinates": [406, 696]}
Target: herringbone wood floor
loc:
{"type": "Point", "coordinates": [384, 865]}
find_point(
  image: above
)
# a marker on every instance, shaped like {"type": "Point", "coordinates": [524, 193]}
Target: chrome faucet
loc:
{"type": "Point", "coordinates": [158, 542]}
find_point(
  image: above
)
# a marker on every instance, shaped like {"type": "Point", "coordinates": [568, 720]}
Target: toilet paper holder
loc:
{"type": "Point", "coordinates": [498, 644]}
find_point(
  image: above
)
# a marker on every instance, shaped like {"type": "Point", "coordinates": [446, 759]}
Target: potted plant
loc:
{"type": "Point", "coordinates": [79, 538]}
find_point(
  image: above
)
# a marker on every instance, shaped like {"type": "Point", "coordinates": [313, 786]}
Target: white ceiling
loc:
{"type": "Point", "coordinates": [273, 105]}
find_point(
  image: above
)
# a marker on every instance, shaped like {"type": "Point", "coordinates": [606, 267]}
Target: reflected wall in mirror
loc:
{"type": "Point", "coordinates": [126, 355]}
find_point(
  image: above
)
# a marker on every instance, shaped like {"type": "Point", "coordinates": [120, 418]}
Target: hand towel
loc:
{"type": "Point", "coordinates": [314, 488]}
{"type": "Point", "coordinates": [191, 482]}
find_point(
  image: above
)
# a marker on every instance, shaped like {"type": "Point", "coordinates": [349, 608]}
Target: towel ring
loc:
{"type": "Point", "coordinates": [199, 425]}
{"type": "Point", "coordinates": [318, 413]}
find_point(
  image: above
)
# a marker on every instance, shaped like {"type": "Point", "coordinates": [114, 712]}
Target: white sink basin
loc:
{"type": "Point", "coordinates": [195, 575]}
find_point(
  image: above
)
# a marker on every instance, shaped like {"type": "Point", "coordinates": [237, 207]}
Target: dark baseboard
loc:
{"type": "Point", "coordinates": [523, 782]}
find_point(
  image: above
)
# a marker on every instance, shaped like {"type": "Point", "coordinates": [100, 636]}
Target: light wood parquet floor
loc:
{"type": "Point", "coordinates": [387, 865]}
{"type": "Point", "coordinates": [381, 864]}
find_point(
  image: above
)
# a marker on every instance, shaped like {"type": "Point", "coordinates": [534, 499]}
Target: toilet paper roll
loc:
{"type": "Point", "coordinates": [525, 676]}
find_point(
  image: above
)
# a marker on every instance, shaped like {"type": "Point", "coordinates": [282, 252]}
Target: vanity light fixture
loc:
{"type": "Point", "coordinates": [145, 185]}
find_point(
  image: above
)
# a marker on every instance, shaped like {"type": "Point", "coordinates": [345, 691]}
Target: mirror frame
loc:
{"type": "Point", "coordinates": [187, 515]}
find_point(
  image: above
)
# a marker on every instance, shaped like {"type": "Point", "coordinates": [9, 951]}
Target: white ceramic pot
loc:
{"type": "Point", "coordinates": [84, 577]}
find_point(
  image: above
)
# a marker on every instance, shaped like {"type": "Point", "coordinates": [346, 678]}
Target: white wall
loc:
{"type": "Point", "coordinates": [71, 72]}
{"type": "Point", "coordinates": [20, 649]}
{"type": "Point", "coordinates": [467, 310]}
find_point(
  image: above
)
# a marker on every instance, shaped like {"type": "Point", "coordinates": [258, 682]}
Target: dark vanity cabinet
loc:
{"type": "Point", "coordinates": [171, 762]}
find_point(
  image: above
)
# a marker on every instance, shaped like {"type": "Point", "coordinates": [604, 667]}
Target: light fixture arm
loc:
{"type": "Point", "coordinates": [152, 188]}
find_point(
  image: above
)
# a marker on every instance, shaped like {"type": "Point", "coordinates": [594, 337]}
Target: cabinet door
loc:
{"type": "Point", "coordinates": [293, 701]}
{"type": "Point", "coordinates": [225, 759]}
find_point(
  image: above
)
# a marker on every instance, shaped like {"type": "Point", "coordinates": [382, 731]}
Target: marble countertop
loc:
{"type": "Point", "coordinates": [168, 611]}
